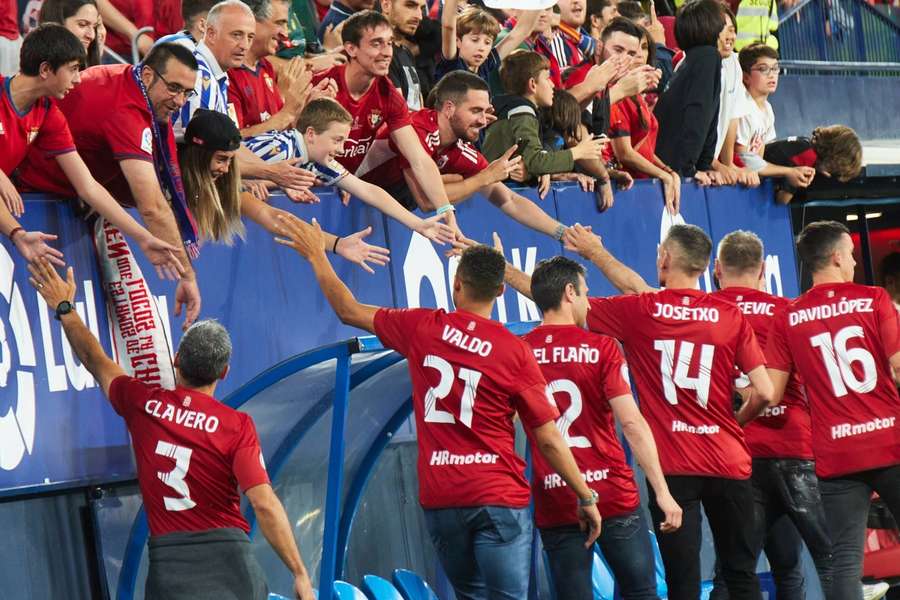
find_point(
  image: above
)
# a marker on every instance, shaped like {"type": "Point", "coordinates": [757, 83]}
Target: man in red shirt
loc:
{"type": "Point", "coordinates": [843, 339]}
{"type": "Point", "coordinates": [366, 91]}
{"type": "Point", "coordinates": [588, 381]}
{"type": "Point", "coordinates": [192, 454]}
{"type": "Point", "coordinates": [448, 133]}
{"type": "Point", "coordinates": [682, 344]}
{"type": "Point", "coordinates": [780, 439]}
{"type": "Point", "coordinates": [470, 376]}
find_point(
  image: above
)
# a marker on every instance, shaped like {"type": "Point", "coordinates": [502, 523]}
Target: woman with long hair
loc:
{"type": "Point", "coordinates": [82, 18]}
{"type": "Point", "coordinates": [212, 186]}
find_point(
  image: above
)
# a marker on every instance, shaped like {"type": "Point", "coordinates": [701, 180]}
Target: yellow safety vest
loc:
{"type": "Point", "coordinates": [757, 20]}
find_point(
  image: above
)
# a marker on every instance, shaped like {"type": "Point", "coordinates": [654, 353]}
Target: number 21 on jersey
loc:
{"type": "Point", "coordinates": [466, 403]}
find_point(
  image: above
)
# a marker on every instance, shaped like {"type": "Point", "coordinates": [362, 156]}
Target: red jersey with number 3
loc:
{"type": "Point", "coordinates": [840, 337]}
{"type": "Point", "coordinates": [469, 377]}
{"type": "Point", "coordinates": [782, 431]}
{"type": "Point", "coordinates": [42, 129]}
{"type": "Point", "coordinates": [682, 346]}
{"type": "Point", "coordinates": [381, 105]}
{"type": "Point", "coordinates": [584, 371]}
{"type": "Point", "coordinates": [192, 453]}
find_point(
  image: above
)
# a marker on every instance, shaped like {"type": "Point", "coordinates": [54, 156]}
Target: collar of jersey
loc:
{"type": "Point", "coordinates": [204, 54]}
{"type": "Point", "coordinates": [8, 91]}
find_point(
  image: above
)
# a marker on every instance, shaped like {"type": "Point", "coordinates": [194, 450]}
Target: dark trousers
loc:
{"type": "Point", "coordinates": [847, 501]}
{"type": "Point", "coordinates": [625, 543]}
{"type": "Point", "coordinates": [728, 504]}
{"type": "Point", "coordinates": [788, 508]}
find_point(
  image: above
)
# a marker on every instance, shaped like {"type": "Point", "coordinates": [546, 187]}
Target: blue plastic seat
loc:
{"type": "Point", "coordinates": [346, 591]}
{"type": "Point", "coordinates": [412, 587]}
{"type": "Point", "coordinates": [378, 588]}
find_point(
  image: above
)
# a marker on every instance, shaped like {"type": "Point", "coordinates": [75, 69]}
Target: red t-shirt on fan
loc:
{"type": "Point", "coordinates": [192, 454]}
{"type": "Point", "coordinates": [9, 20]}
{"type": "Point", "coordinates": [682, 346]}
{"type": "Point", "coordinates": [460, 158]}
{"type": "Point", "coordinates": [43, 130]}
{"type": "Point", "coordinates": [381, 105]}
{"type": "Point", "coordinates": [469, 377]}
{"type": "Point", "coordinates": [584, 371]}
{"type": "Point", "coordinates": [782, 431]}
{"type": "Point", "coordinates": [254, 93]}
{"type": "Point", "coordinates": [839, 337]}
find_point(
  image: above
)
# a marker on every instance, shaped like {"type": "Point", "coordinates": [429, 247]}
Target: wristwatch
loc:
{"type": "Point", "coordinates": [63, 308]}
{"type": "Point", "coordinates": [594, 498]}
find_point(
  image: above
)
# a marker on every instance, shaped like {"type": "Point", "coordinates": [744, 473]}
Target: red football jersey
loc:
{"type": "Point", "coordinates": [584, 372]}
{"type": "Point", "coordinates": [110, 122]}
{"type": "Point", "coordinates": [381, 105]}
{"type": "Point", "coordinates": [141, 14]}
{"type": "Point", "coordinates": [42, 129]}
{"type": "Point", "coordinates": [682, 346]}
{"type": "Point", "coordinates": [461, 158]}
{"type": "Point", "coordinates": [9, 20]}
{"type": "Point", "coordinates": [469, 376]}
{"type": "Point", "coordinates": [192, 453]}
{"type": "Point", "coordinates": [840, 337]}
{"type": "Point", "coordinates": [782, 431]}
{"type": "Point", "coordinates": [254, 93]}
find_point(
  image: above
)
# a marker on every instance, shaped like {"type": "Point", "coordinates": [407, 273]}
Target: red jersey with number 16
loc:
{"type": "Point", "coordinates": [682, 347]}
{"type": "Point", "coordinates": [840, 337]}
{"type": "Point", "coordinates": [192, 453]}
{"type": "Point", "coordinates": [584, 371]}
{"type": "Point", "coordinates": [782, 431]}
{"type": "Point", "coordinates": [469, 376]}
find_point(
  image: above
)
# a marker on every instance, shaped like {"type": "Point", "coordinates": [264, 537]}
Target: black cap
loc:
{"type": "Point", "coordinates": [213, 131]}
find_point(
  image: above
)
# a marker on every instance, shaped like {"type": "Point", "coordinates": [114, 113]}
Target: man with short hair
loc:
{"type": "Point", "coordinates": [785, 487]}
{"type": "Point", "coordinates": [843, 339]}
{"type": "Point", "coordinates": [448, 132]}
{"type": "Point", "coordinates": [190, 452]}
{"type": "Point", "coordinates": [570, 45]}
{"type": "Point", "coordinates": [599, 15]}
{"type": "Point", "coordinates": [683, 345]}
{"type": "Point", "coordinates": [411, 33]}
{"type": "Point", "coordinates": [469, 376]}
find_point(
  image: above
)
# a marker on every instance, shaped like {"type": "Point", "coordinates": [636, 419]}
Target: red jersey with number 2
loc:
{"type": "Point", "coordinates": [682, 347]}
{"type": "Point", "coordinates": [840, 338]}
{"type": "Point", "coordinates": [192, 453]}
{"type": "Point", "coordinates": [782, 431]}
{"type": "Point", "coordinates": [469, 377]}
{"type": "Point", "coordinates": [584, 371]}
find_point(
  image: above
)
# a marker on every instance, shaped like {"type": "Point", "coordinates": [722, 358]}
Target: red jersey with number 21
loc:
{"type": "Point", "coordinates": [469, 376]}
{"type": "Point", "coordinates": [682, 347]}
{"type": "Point", "coordinates": [584, 371]}
{"type": "Point", "coordinates": [840, 337]}
{"type": "Point", "coordinates": [192, 453]}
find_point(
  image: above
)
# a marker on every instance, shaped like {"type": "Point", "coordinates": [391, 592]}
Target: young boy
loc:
{"type": "Point", "coordinates": [526, 78]}
{"type": "Point", "coordinates": [467, 40]}
{"type": "Point", "coordinates": [322, 128]}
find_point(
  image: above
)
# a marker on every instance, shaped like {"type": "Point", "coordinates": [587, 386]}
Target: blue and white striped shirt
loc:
{"type": "Point", "coordinates": [211, 88]}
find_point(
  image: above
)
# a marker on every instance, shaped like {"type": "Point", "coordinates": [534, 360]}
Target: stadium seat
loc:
{"type": "Point", "coordinates": [377, 588]}
{"type": "Point", "coordinates": [346, 591]}
{"type": "Point", "coordinates": [412, 587]}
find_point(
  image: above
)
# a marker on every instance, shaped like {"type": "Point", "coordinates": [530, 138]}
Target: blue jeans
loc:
{"type": "Point", "coordinates": [625, 543]}
{"type": "Point", "coordinates": [485, 550]}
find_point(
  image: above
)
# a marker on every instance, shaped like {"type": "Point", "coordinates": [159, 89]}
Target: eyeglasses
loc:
{"type": "Point", "coordinates": [767, 70]}
{"type": "Point", "coordinates": [174, 89]}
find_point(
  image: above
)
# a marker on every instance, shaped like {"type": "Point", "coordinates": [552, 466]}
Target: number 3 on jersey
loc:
{"type": "Point", "coordinates": [675, 372]}
{"type": "Point", "coordinates": [466, 403]}
{"type": "Point", "coordinates": [175, 478]}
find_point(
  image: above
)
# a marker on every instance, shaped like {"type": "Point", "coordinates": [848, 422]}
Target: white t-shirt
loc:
{"type": "Point", "coordinates": [732, 99]}
{"type": "Point", "coordinates": [755, 130]}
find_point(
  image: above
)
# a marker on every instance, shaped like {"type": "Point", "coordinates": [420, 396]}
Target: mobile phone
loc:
{"type": "Point", "coordinates": [520, 145]}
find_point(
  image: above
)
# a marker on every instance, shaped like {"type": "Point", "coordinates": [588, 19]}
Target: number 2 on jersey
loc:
{"type": "Point", "coordinates": [838, 359]}
{"type": "Point", "coordinates": [565, 421]}
{"type": "Point", "coordinates": [466, 404]}
{"type": "Point", "coordinates": [675, 372]}
{"type": "Point", "coordinates": [175, 478]}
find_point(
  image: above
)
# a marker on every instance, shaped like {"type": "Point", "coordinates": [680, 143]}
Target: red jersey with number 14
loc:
{"type": "Point", "coordinates": [682, 347]}
{"type": "Point", "coordinates": [782, 431]}
{"type": "Point", "coordinates": [584, 371]}
{"type": "Point", "coordinates": [840, 337]}
{"type": "Point", "coordinates": [192, 453]}
{"type": "Point", "coordinates": [469, 376]}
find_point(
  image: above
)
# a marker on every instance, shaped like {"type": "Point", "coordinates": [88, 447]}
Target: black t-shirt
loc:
{"type": "Point", "coordinates": [405, 76]}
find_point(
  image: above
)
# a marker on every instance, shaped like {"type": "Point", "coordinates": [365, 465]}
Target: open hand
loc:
{"type": "Point", "coordinates": [33, 245]}
{"type": "Point", "coordinates": [356, 250]}
{"type": "Point", "coordinates": [49, 284]}
{"type": "Point", "coordinates": [436, 230]}
{"type": "Point", "coordinates": [162, 255]}
{"type": "Point", "coordinates": [582, 240]}
{"type": "Point", "coordinates": [305, 238]}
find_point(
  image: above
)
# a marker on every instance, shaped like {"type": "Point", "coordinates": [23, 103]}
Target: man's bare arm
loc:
{"type": "Point", "coordinates": [581, 240]}
{"type": "Point", "coordinates": [522, 210]}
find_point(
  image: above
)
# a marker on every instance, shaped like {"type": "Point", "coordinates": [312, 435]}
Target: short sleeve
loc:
{"type": "Point", "coordinates": [889, 322]}
{"type": "Point", "coordinates": [613, 370]}
{"type": "Point", "coordinates": [330, 172]}
{"type": "Point", "coordinates": [778, 353]}
{"type": "Point", "coordinates": [531, 400]}
{"type": "Point", "coordinates": [54, 137]}
{"type": "Point", "coordinates": [397, 111]}
{"type": "Point", "coordinates": [129, 135]}
{"type": "Point", "coordinates": [610, 316]}
{"type": "Point", "coordinates": [126, 392]}
{"type": "Point", "coordinates": [396, 327]}
{"type": "Point", "coordinates": [470, 162]}
{"type": "Point", "coordinates": [247, 462]}
{"type": "Point", "coordinates": [621, 119]}
{"type": "Point", "coordinates": [748, 354]}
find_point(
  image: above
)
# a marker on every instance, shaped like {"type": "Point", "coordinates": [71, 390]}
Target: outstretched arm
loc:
{"type": "Point", "coordinates": [524, 26]}
{"type": "Point", "coordinates": [306, 239]}
{"type": "Point", "coordinates": [448, 30]}
{"type": "Point", "coordinates": [581, 240]}
{"type": "Point", "coordinates": [523, 210]}
{"type": "Point", "coordinates": [54, 290]}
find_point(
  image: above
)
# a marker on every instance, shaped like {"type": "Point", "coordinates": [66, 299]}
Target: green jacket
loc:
{"type": "Point", "coordinates": [517, 122]}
